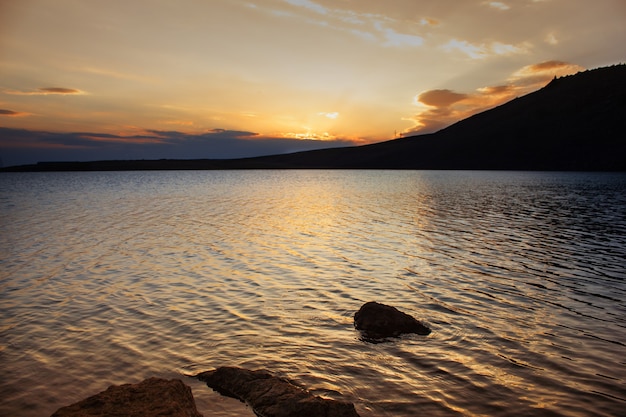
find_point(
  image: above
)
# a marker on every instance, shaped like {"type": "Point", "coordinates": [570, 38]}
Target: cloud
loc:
{"type": "Point", "coordinates": [401, 39]}
{"type": "Point", "coordinates": [21, 146]}
{"type": "Point", "coordinates": [95, 139]}
{"type": "Point", "coordinates": [497, 90]}
{"type": "Point", "coordinates": [551, 39]}
{"type": "Point", "coordinates": [232, 133]}
{"type": "Point", "coordinates": [440, 98]}
{"type": "Point", "coordinates": [481, 51]}
{"type": "Point", "coordinates": [12, 113]}
{"type": "Point", "coordinates": [537, 74]}
{"type": "Point", "coordinates": [59, 90]}
{"type": "Point", "coordinates": [309, 5]}
{"type": "Point", "coordinates": [45, 91]}
{"type": "Point", "coordinates": [548, 66]}
{"type": "Point", "coordinates": [429, 21]}
{"type": "Point", "coordinates": [178, 122]}
{"type": "Point", "coordinates": [473, 51]}
{"type": "Point", "coordinates": [330, 115]}
{"type": "Point", "coordinates": [442, 107]}
{"type": "Point", "coordinates": [368, 26]}
{"type": "Point", "coordinates": [498, 5]}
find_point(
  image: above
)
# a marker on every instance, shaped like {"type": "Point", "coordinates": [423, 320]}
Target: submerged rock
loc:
{"type": "Point", "coordinates": [152, 397]}
{"type": "Point", "coordinates": [378, 321]}
{"type": "Point", "coordinates": [271, 396]}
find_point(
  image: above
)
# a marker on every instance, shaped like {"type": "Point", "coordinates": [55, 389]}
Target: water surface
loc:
{"type": "Point", "coordinates": [111, 278]}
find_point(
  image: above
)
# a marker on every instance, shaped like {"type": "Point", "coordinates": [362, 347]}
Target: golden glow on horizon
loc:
{"type": "Point", "coordinates": [314, 69]}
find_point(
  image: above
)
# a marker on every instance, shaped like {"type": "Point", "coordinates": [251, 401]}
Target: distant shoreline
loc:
{"type": "Point", "coordinates": [246, 164]}
{"type": "Point", "coordinates": [575, 123]}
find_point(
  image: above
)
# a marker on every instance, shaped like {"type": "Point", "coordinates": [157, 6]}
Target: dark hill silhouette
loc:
{"type": "Point", "coordinates": [577, 122]}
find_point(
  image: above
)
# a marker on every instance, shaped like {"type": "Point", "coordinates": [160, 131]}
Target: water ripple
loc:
{"type": "Point", "coordinates": [109, 278]}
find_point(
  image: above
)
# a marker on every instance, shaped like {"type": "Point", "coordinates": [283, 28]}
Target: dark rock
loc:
{"type": "Point", "coordinates": [271, 396]}
{"type": "Point", "coordinates": [152, 397]}
{"type": "Point", "coordinates": [378, 321]}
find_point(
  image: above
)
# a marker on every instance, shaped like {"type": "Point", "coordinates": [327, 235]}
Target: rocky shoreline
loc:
{"type": "Point", "coordinates": [271, 396]}
{"type": "Point", "coordinates": [268, 395]}
{"type": "Point", "coordinates": [151, 397]}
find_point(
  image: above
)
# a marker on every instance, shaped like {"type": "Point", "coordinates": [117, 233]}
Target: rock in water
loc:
{"type": "Point", "coordinates": [271, 396]}
{"type": "Point", "coordinates": [152, 397]}
{"type": "Point", "coordinates": [377, 321]}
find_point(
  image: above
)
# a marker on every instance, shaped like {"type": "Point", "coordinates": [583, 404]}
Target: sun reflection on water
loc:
{"type": "Point", "coordinates": [111, 278]}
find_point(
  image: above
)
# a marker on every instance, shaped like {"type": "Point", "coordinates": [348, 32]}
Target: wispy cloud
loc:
{"type": "Point", "coordinates": [178, 122]}
{"type": "Point", "coordinates": [331, 115]}
{"type": "Point", "coordinates": [498, 5]}
{"type": "Point", "coordinates": [484, 50]}
{"type": "Point", "coordinates": [227, 134]}
{"type": "Point", "coordinates": [12, 113]}
{"type": "Point", "coordinates": [401, 39]}
{"type": "Point", "coordinates": [535, 75]}
{"type": "Point", "coordinates": [115, 74]}
{"type": "Point", "coordinates": [59, 90]}
{"type": "Point", "coordinates": [46, 91]}
{"type": "Point", "coordinates": [551, 39]}
{"type": "Point", "coordinates": [547, 66]}
{"type": "Point", "coordinates": [309, 5]}
{"type": "Point", "coordinates": [367, 26]}
{"type": "Point", "coordinates": [429, 21]}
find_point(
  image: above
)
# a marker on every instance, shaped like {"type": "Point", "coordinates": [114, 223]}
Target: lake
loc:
{"type": "Point", "coordinates": [113, 277]}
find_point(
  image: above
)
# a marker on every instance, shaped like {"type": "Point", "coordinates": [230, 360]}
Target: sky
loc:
{"type": "Point", "coordinates": [152, 79]}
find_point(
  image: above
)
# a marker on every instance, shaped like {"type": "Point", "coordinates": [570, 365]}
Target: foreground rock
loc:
{"type": "Point", "coordinates": [152, 397]}
{"type": "Point", "coordinates": [378, 321]}
{"type": "Point", "coordinates": [270, 396]}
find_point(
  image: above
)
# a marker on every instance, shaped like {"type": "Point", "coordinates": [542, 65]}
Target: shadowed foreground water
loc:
{"type": "Point", "coordinates": [110, 278]}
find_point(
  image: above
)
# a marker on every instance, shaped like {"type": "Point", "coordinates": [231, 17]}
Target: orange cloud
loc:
{"type": "Point", "coordinates": [444, 107]}
{"type": "Point", "coordinates": [440, 108]}
{"type": "Point", "coordinates": [440, 98]}
{"type": "Point", "coordinates": [59, 90]}
{"type": "Point", "coordinates": [429, 21]}
{"type": "Point", "coordinates": [45, 91]}
{"type": "Point", "coordinates": [12, 113]}
{"type": "Point", "coordinates": [544, 71]}
{"type": "Point", "coordinates": [496, 89]}
{"type": "Point", "coordinates": [178, 122]}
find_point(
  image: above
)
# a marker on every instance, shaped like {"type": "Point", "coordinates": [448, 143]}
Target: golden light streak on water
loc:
{"type": "Point", "coordinates": [110, 278]}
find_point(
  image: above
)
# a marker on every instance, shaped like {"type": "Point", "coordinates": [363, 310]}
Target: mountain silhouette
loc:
{"type": "Point", "coordinates": [577, 122]}
{"type": "Point", "coordinates": [574, 123]}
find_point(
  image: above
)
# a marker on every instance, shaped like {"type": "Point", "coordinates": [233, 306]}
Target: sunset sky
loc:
{"type": "Point", "coordinates": [149, 79]}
